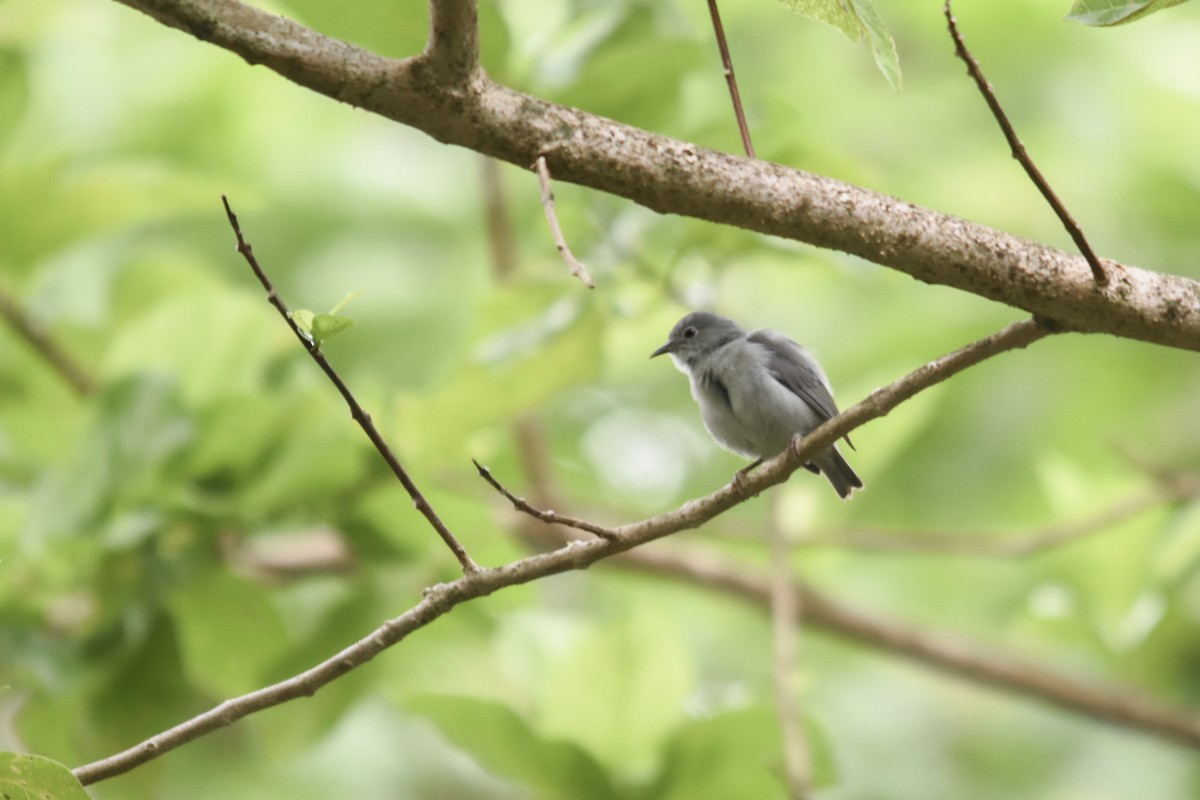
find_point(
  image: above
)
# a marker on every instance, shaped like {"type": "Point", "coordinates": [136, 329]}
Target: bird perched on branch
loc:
{"type": "Point", "coordinates": [756, 391]}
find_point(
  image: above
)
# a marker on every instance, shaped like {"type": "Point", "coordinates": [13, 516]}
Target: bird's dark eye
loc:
{"type": "Point", "coordinates": [689, 332]}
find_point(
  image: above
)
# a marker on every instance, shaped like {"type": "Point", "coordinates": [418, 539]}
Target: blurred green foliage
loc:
{"type": "Point", "coordinates": [136, 523]}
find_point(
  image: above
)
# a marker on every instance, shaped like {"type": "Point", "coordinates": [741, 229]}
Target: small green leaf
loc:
{"type": "Point", "coordinates": [883, 46]}
{"type": "Point", "coordinates": [505, 743]}
{"type": "Point", "coordinates": [1106, 13]}
{"type": "Point", "coordinates": [832, 12]}
{"type": "Point", "coordinates": [327, 325]}
{"type": "Point", "coordinates": [857, 19]}
{"type": "Point", "coordinates": [304, 321]}
{"type": "Point", "coordinates": [35, 777]}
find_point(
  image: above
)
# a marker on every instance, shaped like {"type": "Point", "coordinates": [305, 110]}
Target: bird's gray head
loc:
{"type": "Point", "coordinates": [696, 336]}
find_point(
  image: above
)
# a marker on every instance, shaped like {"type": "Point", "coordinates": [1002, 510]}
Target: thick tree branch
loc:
{"type": "Point", "coordinates": [671, 176]}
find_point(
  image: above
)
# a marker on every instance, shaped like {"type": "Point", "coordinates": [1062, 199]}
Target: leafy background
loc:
{"type": "Point", "coordinates": [135, 522]}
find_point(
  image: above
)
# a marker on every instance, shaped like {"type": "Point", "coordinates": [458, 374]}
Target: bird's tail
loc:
{"type": "Point", "coordinates": [838, 472]}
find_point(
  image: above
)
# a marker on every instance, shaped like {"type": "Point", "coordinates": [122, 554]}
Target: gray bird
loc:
{"type": "Point", "coordinates": [756, 391]}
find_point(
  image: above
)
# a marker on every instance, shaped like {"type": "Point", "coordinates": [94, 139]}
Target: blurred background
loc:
{"type": "Point", "coordinates": [198, 516]}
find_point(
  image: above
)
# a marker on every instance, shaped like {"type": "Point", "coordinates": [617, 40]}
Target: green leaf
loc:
{"type": "Point", "coordinates": [504, 743]}
{"type": "Point", "coordinates": [837, 13]}
{"type": "Point", "coordinates": [736, 754]}
{"type": "Point", "coordinates": [857, 19]}
{"type": "Point", "coordinates": [883, 46]}
{"type": "Point", "coordinates": [229, 633]}
{"type": "Point", "coordinates": [1106, 13]}
{"type": "Point", "coordinates": [14, 90]}
{"type": "Point", "coordinates": [217, 340]}
{"type": "Point", "coordinates": [304, 321]}
{"type": "Point", "coordinates": [37, 778]}
{"type": "Point", "coordinates": [533, 341]}
{"type": "Point", "coordinates": [125, 460]}
{"type": "Point", "coordinates": [637, 678]}
{"type": "Point", "coordinates": [327, 325]}
{"type": "Point", "coordinates": [731, 755]}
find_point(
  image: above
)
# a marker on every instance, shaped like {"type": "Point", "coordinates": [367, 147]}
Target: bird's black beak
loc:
{"type": "Point", "coordinates": [666, 348]}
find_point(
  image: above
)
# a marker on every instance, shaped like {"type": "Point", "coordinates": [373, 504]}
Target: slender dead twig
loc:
{"type": "Point", "coordinates": [545, 515]}
{"type": "Point", "coordinates": [356, 411]}
{"type": "Point", "coordinates": [1099, 274]}
{"type": "Point", "coordinates": [440, 599]}
{"type": "Point", "coordinates": [730, 79]}
{"type": "Point", "coordinates": [574, 264]}
{"type": "Point", "coordinates": [46, 346]}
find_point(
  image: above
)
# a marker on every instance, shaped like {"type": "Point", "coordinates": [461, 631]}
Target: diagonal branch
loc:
{"type": "Point", "coordinates": [356, 411]}
{"type": "Point", "coordinates": [1019, 152]}
{"type": "Point", "coordinates": [574, 555]}
{"type": "Point", "coordinates": [730, 78]}
{"type": "Point", "coordinates": [671, 176]}
{"type": "Point", "coordinates": [81, 381]}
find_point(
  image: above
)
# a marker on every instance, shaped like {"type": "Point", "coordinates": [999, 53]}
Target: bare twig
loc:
{"type": "Point", "coordinates": [785, 640]}
{"type": "Point", "coordinates": [574, 555]}
{"type": "Point", "coordinates": [46, 346]}
{"type": "Point", "coordinates": [1021, 155]}
{"type": "Point", "coordinates": [576, 266]}
{"type": "Point", "coordinates": [1177, 489]}
{"type": "Point", "coordinates": [727, 65]}
{"type": "Point", "coordinates": [546, 516]}
{"type": "Point", "coordinates": [356, 411]}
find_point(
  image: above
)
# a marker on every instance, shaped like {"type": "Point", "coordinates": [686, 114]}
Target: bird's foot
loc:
{"type": "Point", "coordinates": [739, 477]}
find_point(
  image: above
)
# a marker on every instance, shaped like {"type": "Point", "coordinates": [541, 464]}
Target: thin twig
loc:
{"type": "Point", "coordinates": [46, 346]}
{"type": "Point", "coordinates": [356, 411]}
{"type": "Point", "coordinates": [574, 555]}
{"type": "Point", "coordinates": [1177, 489]}
{"type": "Point", "coordinates": [727, 65]}
{"type": "Point", "coordinates": [785, 643]}
{"type": "Point", "coordinates": [1019, 153]}
{"type": "Point", "coordinates": [576, 266]}
{"type": "Point", "coordinates": [546, 516]}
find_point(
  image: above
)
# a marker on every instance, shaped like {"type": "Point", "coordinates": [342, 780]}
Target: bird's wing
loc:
{"type": "Point", "coordinates": [793, 367]}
